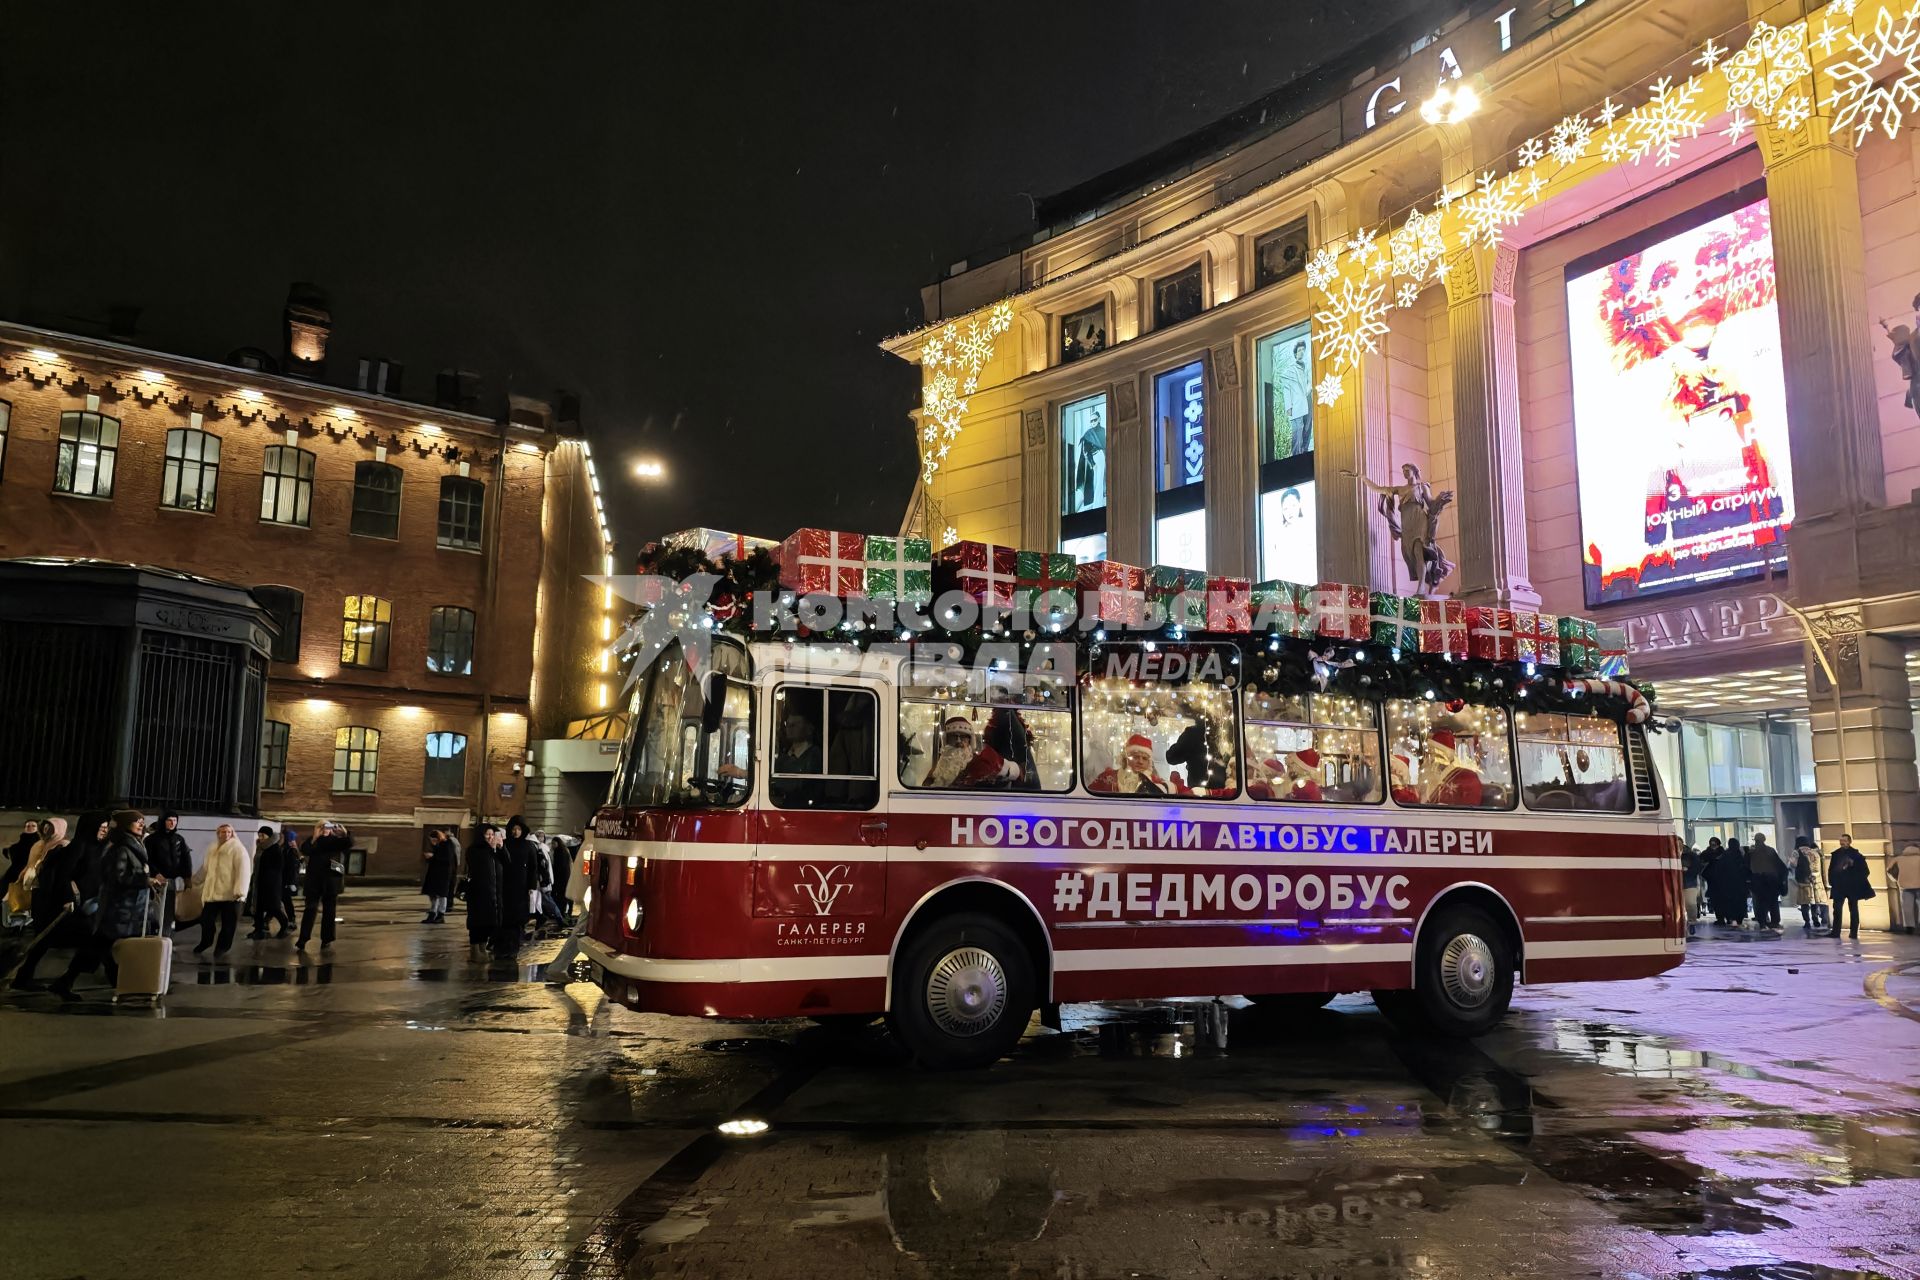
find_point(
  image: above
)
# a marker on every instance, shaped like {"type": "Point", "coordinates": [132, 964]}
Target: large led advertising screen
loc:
{"type": "Point", "coordinates": [1680, 413]}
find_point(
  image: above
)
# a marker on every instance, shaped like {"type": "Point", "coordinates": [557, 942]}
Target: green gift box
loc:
{"type": "Point", "coordinates": [1176, 597]}
{"type": "Point", "coordinates": [899, 569]}
{"type": "Point", "coordinates": [1395, 621]}
{"type": "Point", "coordinates": [1282, 606]}
{"type": "Point", "coordinates": [1046, 584]}
{"type": "Point", "coordinates": [1579, 643]}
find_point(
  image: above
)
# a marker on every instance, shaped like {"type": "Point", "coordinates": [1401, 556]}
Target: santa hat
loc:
{"type": "Point", "coordinates": [1303, 764]}
{"type": "Point", "coordinates": [951, 721]}
{"type": "Point", "coordinates": [1309, 758]}
{"type": "Point", "coordinates": [1141, 741]}
{"type": "Point", "coordinates": [1274, 764]}
{"type": "Point", "coordinates": [1444, 738]}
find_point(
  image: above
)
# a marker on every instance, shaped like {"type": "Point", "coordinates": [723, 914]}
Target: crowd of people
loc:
{"type": "Point", "coordinates": [114, 875]}
{"type": "Point", "coordinates": [1736, 883]}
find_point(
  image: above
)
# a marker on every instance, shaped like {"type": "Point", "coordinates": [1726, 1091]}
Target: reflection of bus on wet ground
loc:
{"type": "Point", "coordinates": [810, 831]}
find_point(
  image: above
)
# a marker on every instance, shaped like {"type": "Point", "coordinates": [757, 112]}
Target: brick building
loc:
{"type": "Point", "coordinates": [426, 567]}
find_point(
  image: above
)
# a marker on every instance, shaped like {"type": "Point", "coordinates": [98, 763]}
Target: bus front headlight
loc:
{"type": "Point", "coordinates": [633, 915]}
{"type": "Point", "coordinates": [586, 901]}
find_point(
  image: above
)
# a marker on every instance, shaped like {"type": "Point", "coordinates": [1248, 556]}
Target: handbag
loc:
{"type": "Point", "coordinates": [189, 904]}
{"type": "Point", "coordinates": [336, 876]}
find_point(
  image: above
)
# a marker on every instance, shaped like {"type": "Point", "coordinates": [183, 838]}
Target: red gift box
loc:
{"type": "Point", "coordinates": [1114, 593]}
{"type": "Point", "coordinates": [1342, 612]}
{"type": "Point", "coordinates": [824, 561]}
{"type": "Point", "coordinates": [1443, 627]}
{"type": "Point", "coordinates": [1229, 604]}
{"type": "Point", "coordinates": [1490, 633]}
{"type": "Point", "coordinates": [987, 571]}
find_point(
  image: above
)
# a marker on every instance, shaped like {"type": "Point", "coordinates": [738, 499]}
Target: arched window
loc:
{"type": "Point", "coordinates": [193, 468]}
{"type": "Point", "coordinates": [376, 500]}
{"type": "Point", "coordinates": [450, 641]}
{"type": "Point", "coordinates": [446, 764]}
{"type": "Point", "coordinates": [356, 759]}
{"type": "Point", "coordinates": [286, 486]}
{"type": "Point", "coordinates": [89, 444]}
{"type": "Point", "coordinates": [366, 628]}
{"type": "Point", "coordinates": [462, 502]}
{"type": "Point", "coordinates": [285, 606]}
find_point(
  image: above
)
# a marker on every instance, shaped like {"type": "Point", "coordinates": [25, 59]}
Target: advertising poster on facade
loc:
{"type": "Point", "coordinates": [1680, 416]}
{"type": "Point", "coordinates": [1287, 534]}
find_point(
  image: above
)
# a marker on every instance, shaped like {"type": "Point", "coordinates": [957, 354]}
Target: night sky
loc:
{"type": "Point", "coordinates": [700, 218]}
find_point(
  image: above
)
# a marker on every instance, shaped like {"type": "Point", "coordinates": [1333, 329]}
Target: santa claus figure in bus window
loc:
{"type": "Point", "coordinates": [1294, 776]}
{"type": "Point", "coordinates": [1133, 774]}
{"type": "Point", "coordinates": [961, 759]}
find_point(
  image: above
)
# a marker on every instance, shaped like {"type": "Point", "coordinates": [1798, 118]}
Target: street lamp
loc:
{"type": "Point", "coordinates": [648, 469]}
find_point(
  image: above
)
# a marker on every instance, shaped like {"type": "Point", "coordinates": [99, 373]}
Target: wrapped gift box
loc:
{"type": "Point", "coordinates": [1395, 621]}
{"type": "Point", "coordinates": [1283, 606]}
{"type": "Point", "coordinates": [824, 561]}
{"type": "Point", "coordinates": [1341, 611]}
{"type": "Point", "coordinates": [1546, 639]}
{"type": "Point", "coordinates": [899, 569]}
{"type": "Point", "coordinates": [1176, 596]}
{"type": "Point", "coordinates": [1579, 641]}
{"type": "Point", "coordinates": [1610, 652]}
{"type": "Point", "coordinates": [1526, 635]}
{"type": "Point", "coordinates": [1443, 628]}
{"type": "Point", "coordinates": [1490, 633]}
{"type": "Point", "coordinates": [718, 544]}
{"type": "Point", "coordinates": [1229, 604]}
{"type": "Point", "coordinates": [1114, 593]}
{"type": "Point", "coordinates": [985, 571]}
{"type": "Point", "coordinates": [1047, 585]}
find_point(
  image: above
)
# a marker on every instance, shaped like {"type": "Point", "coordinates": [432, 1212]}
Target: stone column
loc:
{"type": "Point", "coordinates": [1490, 485]}
{"type": "Point", "coordinates": [1230, 469]}
{"type": "Point", "coordinates": [1129, 476]}
{"type": "Point", "coordinates": [1039, 480]}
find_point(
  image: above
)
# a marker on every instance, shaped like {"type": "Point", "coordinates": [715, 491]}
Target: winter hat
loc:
{"type": "Point", "coordinates": [1141, 741]}
{"type": "Point", "coordinates": [123, 819]}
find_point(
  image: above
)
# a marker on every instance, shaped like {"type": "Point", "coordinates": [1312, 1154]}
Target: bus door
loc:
{"type": "Point", "coordinates": [820, 867]}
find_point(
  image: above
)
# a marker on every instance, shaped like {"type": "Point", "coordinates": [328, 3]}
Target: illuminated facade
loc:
{"type": "Point", "coordinates": [426, 570]}
{"type": "Point", "coordinates": [1612, 273]}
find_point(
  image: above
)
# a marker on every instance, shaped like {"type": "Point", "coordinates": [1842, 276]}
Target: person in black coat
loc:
{"type": "Point", "coordinates": [1727, 884]}
{"type": "Point", "coordinates": [125, 884]}
{"type": "Point", "coordinates": [17, 854]}
{"type": "Point", "coordinates": [65, 878]}
{"type": "Point", "coordinates": [485, 858]}
{"type": "Point", "coordinates": [290, 866]}
{"type": "Point", "coordinates": [169, 855]}
{"type": "Point", "coordinates": [560, 853]}
{"type": "Point", "coordinates": [519, 875]}
{"type": "Point", "coordinates": [443, 862]}
{"type": "Point", "coordinates": [329, 847]}
{"type": "Point", "coordinates": [270, 884]}
{"type": "Point", "coordinates": [1847, 880]}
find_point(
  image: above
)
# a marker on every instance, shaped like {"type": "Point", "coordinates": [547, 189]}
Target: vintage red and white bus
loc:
{"type": "Point", "coordinates": [802, 830]}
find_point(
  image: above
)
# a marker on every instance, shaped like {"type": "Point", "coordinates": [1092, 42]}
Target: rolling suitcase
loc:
{"type": "Point", "coordinates": [146, 962]}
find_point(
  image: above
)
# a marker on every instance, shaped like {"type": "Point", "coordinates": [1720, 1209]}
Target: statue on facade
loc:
{"type": "Point", "coordinates": [1906, 354]}
{"type": "Point", "coordinates": [1413, 512]}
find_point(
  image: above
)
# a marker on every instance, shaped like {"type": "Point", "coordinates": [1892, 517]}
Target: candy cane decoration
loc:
{"type": "Point", "coordinates": [1639, 710]}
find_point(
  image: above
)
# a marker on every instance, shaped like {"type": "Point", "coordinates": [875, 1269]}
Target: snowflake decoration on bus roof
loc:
{"type": "Point", "coordinates": [1768, 66]}
{"type": "Point", "coordinates": [1860, 99]}
{"type": "Point", "coordinates": [1568, 142]}
{"type": "Point", "coordinates": [1668, 118]}
{"type": "Point", "coordinates": [1418, 243]}
{"type": "Point", "coordinates": [1351, 323]}
{"type": "Point", "coordinates": [1489, 210]}
{"type": "Point", "coordinates": [951, 362]}
{"type": "Point", "coordinates": [1323, 267]}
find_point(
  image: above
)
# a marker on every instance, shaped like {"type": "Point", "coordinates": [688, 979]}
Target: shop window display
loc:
{"type": "Point", "coordinates": [1313, 748]}
{"type": "Point", "coordinates": [1448, 755]}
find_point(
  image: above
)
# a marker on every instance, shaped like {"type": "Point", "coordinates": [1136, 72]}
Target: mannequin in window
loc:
{"type": "Point", "coordinates": [1134, 774]}
{"type": "Point", "coordinates": [962, 760]}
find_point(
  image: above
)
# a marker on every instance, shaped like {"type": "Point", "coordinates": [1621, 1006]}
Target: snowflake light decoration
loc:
{"type": "Point", "coordinates": [950, 364]}
{"type": "Point", "coordinates": [1406, 295]}
{"type": "Point", "coordinates": [1773, 60]}
{"type": "Point", "coordinates": [1668, 117]}
{"type": "Point", "coordinates": [1489, 210]}
{"type": "Point", "coordinates": [1844, 8]}
{"type": "Point", "coordinates": [1361, 249]}
{"type": "Point", "coordinates": [1535, 185]}
{"type": "Point", "coordinates": [1737, 126]}
{"type": "Point", "coordinates": [1323, 267]}
{"type": "Point", "coordinates": [1351, 323]}
{"type": "Point", "coordinates": [1417, 244]}
{"type": "Point", "coordinates": [1608, 112]}
{"type": "Point", "coordinates": [1829, 36]}
{"type": "Point", "coordinates": [1328, 390]}
{"type": "Point", "coordinates": [1859, 99]}
{"type": "Point", "coordinates": [1568, 142]}
{"type": "Point", "coordinates": [1792, 112]}
{"type": "Point", "coordinates": [1710, 56]}
{"type": "Point", "coordinates": [1530, 152]}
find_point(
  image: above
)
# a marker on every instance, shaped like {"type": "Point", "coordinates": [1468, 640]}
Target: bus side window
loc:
{"type": "Point", "coordinates": [1570, 762]}
{"type": "Point", "coordinates": [1443, 759]}
{"type": "Point", "coordinates": [1313, 748]}
{"type": "Point", "coordinates": [824, 748]}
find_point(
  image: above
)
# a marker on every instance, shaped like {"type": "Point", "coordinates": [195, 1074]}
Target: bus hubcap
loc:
{"type": "Point", "coordinates": [1466, 971]}
{"type": "Point", "coordinates": [967, 991]}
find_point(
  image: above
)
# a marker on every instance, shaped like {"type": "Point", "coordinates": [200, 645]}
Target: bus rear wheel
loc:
{"type": "Point", "coordinates": [962, 993]}
{"type": "Point", "coordinates": [1462, 977]}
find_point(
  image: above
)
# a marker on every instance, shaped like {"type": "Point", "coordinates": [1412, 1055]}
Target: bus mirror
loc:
{"type": "Point", "coordinates": [715, 705]}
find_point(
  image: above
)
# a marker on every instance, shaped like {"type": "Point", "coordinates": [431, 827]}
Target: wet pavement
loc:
{"type": "Point", "coordinates": [397, 1111]}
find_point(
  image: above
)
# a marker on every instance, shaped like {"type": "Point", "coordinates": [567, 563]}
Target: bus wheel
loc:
{"type": "Point", "coordinates": [963, 993]}
{"type": "Point", "coordinates": [1463, 977]}
{"type": "Point", "coordinates": [1293, 1003]}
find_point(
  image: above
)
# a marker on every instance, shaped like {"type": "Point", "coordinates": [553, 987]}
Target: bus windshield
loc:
{"type": "Point", "coordinates": [671, 759]}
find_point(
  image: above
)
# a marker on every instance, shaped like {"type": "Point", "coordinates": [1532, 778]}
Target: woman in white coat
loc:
{"type": "Point", "coordinates": [222, 880]}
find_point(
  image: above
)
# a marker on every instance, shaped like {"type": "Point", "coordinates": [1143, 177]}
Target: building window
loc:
{"type": "Point", "coordinates": [1180, 500]}
{"type": "Point", "coordinates": [356, 759]}
{"type": "Point", "coordinates": [1083, 478]}
{"type": "Point", "coordinates": [376, 500]}
{"type": "Point", "coordinates": [1083, 333]}
{"type": "Point", "coordinates": [89, 444]}
{"type": "Point", "coordinates": [193, 469]}
{"type": "Point", "coordinates": [366, 628]}
{"type": "Point", "coordinates": [1283, 376]}
{"type": "Point", "coordinates": [1572, 762]}
{"type": "Point", "coordinates": [273, 755]}
{"type": "Point", "coordinates": [6, 418]}
{"type": "Point", "coordinates": [450, 641]}
{"type": "Point", "coordinates": [446, 764]}
{"type": "Point", "coordinates": [462, 503]}
{"type": "Point", "coordinates": [286, 486]}
{"type": "Point", "coordinates": [1178, 297]}
{"type": "Point", "coordinates": [1280, 255]}
{"type": "Point", "coordinates": [285, 606]}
